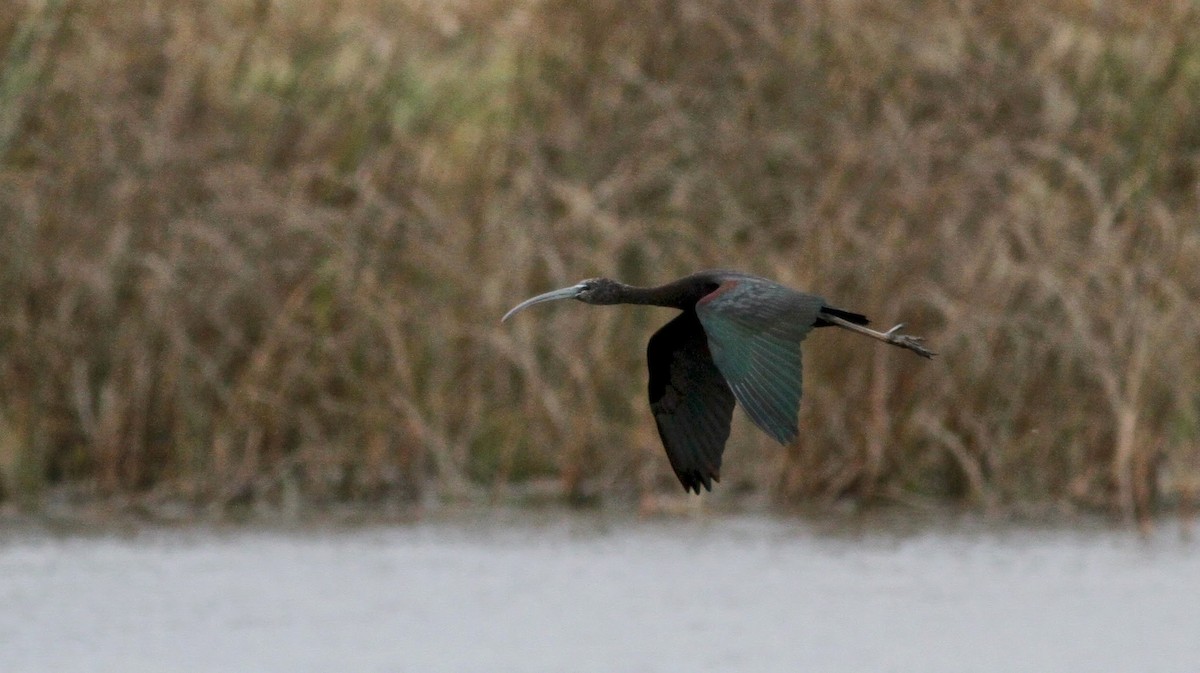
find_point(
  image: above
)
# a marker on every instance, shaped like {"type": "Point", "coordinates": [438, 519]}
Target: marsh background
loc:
{"type": "Point", "coordinates": [255, 253]}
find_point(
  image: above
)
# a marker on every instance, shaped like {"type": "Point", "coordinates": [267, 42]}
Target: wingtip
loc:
{"type": "Point", "coordinates": [692, 481]}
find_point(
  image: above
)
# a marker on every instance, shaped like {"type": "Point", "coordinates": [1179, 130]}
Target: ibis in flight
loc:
{"type": "Point", "coordinates": [737, 338]}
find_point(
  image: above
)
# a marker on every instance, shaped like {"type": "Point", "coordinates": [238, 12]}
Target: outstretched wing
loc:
{"type": "Point", "coordinates": [754, 330]}
{"type": "Point", "coordinates": [691, 402]}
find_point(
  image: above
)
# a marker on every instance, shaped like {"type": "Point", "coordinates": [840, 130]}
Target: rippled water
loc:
{"type": "Point", "coordinates": [587, 594]}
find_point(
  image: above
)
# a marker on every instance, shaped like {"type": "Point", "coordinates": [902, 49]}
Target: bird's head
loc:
{"type": "Point", "coordinates": [591, 291]}
{"type": "Point", "coordinates": [599, 291]}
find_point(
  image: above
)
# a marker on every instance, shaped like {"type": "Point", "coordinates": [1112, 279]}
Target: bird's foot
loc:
{"type": "Point", "coordinates": [912, 343]}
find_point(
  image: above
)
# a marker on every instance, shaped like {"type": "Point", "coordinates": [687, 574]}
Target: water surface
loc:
{"type": "Point", "coordinates": [573, 594]}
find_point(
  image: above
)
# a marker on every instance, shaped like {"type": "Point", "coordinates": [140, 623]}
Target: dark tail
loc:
{"type": "Point", "coordinates": [856, 318]}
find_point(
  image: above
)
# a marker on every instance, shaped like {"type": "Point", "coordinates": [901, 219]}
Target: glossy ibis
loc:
{"type": "Point", "coordinates": [738, 338]}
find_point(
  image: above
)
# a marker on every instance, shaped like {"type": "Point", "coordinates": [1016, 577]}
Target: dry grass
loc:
{"type": "Point", "coordinates": [258, 251]}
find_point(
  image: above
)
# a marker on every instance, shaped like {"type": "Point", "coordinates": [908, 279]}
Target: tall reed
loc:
{"type": "Point", "coordinates": [257, 252]}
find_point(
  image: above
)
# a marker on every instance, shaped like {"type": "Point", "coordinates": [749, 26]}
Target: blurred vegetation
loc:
{"type": "Point", "coordinates": [255, 250]}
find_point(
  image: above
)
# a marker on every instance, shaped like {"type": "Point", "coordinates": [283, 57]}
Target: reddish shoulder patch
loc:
{"type": "Point", "coordinates": [721, 289]}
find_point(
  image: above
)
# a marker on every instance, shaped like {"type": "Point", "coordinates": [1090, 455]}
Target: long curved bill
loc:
{"type": "Point", "coordinates": [563, 293]}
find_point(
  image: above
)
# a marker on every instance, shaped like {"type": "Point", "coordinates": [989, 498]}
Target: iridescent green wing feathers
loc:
{"type": "Point", "coordinates": [754, 330]}
{"type": "Point", "coordinates": [691, 402]}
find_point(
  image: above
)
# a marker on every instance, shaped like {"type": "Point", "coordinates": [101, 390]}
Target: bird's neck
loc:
{"type": "Point", "coordinates": [672, 295]}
